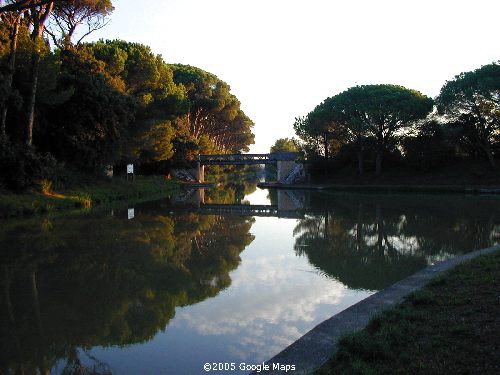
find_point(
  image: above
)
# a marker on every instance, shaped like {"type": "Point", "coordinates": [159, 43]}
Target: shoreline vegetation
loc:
{"type": "Point", "coordinates": [95, 193]}
{"type": "Point", "coordinates": [449, 326]}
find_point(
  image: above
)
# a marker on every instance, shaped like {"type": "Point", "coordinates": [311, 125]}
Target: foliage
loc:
{"type": "Point", "coordinates": [68, 15]}
{"type": "Point", "coordinates": [21, 167]}
{"type": "Point", "coordinates": [285, 145]}
{"type": "Point", "coordinates": [370, 241]}
{"type": "Point", "coordinates": [470, 104]}
{"type": "Point", "coordinates": [120, 284]}
{"type": "Point", "coordinates": [378, 111]}
{"type": "Point", "coordinates": [108, 102]}
{"type": "Point", "coordinates": [91, 128]}
{"type": "Point", "coordinates": [362, 116]}
{"type": "Point", "coordinates": [430, 148]}
{"type": "Point", "coordinates": [213, 112]}
{"type": "Point", "coordinates": [113, 102]}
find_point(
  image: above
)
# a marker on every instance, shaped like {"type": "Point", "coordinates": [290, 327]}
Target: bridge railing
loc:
{"type": "Point", "coordinates": [248, 158]}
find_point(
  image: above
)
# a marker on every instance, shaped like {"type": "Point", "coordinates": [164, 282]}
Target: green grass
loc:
{"type": "Point", "coordinates": [452, 326]}
{"type": "Point", "coordinates": [85, 195]}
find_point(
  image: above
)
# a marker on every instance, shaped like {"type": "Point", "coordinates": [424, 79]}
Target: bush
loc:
{"type": "Point", "coordinates": [21, 167]}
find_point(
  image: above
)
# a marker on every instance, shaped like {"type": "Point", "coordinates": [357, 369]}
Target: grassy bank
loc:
{"type": "Point", "coordinates": [85, 195]}
{"type": "Point", "coordinates": [449, 327]}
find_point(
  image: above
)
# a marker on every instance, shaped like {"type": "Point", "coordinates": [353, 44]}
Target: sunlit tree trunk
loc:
{"type": "Point", "coordinates": [39, 17]}
{"type": "Point", "coordinates": [11, 64]}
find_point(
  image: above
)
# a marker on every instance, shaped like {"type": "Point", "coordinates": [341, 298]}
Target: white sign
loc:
{"type": "Point", "coordinates": [130, 168]}
{"type": "Point", "coordinates": [131, 213]}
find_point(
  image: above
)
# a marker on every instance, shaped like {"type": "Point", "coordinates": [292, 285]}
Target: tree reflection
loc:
{"type": "Point", "coordinates": [73, 283]}
{"type": "Point", "coordinates": [370, 242]}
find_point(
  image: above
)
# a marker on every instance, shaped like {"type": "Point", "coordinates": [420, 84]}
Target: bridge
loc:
{"type": "Point", "coordinates": [289, 169]}
{"type": "Point", "coordinates": [290, 205]}
{"type": "Point", "coordinates": [248, 210]}
{"type": "Point", "coordinates": [246, 159]}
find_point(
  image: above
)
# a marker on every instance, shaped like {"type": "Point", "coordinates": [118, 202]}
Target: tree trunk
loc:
{"type": "Point", "coordinates": [489, 155]}
{"type": "Point", "coordinates": [12, 65]}
{"type": "Point", "coordinates": [39, 17]}
{"type": "Point", "coordinates": [35, 65]}
{"type": "Point", "coordinates": [325, 141]}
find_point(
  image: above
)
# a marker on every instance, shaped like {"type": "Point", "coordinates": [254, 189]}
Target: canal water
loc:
{"type": "Point", "coordinates": [227, 276]}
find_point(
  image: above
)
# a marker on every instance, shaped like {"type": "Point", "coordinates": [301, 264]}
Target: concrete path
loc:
{"type": "Point", "coordinates": [314, 348]}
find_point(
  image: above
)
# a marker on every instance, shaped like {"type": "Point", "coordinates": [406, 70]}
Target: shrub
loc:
{"type": "Point", "coordinates": [21, 167]}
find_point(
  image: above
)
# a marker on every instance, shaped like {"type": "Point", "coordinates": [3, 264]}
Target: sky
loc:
{"type": "Point", "coordinates": [284, 57]}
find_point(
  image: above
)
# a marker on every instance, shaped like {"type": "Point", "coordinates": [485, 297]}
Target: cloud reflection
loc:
{"type": "Point", "coordinates": [272, 302]}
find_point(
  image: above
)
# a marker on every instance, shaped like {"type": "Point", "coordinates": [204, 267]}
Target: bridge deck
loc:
{"type": "Point", "coordinates": [240, 159]}
{"type": "Point", "coordinates": [248, 210]}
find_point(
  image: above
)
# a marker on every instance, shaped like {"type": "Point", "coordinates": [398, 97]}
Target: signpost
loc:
{"type": "Point", "coordinates": [130, 171]}
{"type": "Point", "coordinates": [131, 213]}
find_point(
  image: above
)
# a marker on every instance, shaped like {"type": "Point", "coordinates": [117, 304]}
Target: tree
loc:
{"type": "Point", "coordinates": [22, 5]}
{"type": "Point", "coordinates": [381, 111]}
{"type": "Point", "coordinates": [12, 20]}
{"type": "Point", "coordinates": [285, 145]}
{"type": "Point", "coordinates": [470, 103]}
{"type": "Point", "coordinates": [68, 15]}
{"type": "Point", "coordinates": [316, 130]}
{"type": "Point", "coordinates": [93, 127]}
{"type": "Point", "coordinates": [39, 13]}
{"type": "Point", "coordinates": [134, 70]}
{"type": "Point", "coordinates": [328, 124]}
{"type": "Point", "coordinates": [213, 112]}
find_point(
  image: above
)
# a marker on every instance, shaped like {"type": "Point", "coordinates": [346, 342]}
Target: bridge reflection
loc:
{"type": "Point", "coordinates": [291, 204]}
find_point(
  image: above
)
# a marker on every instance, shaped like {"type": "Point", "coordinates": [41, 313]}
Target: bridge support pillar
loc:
{"type": "Point", "coordinates": [199, 172]}
{"type": "Point", "coordinates": [285, 167]}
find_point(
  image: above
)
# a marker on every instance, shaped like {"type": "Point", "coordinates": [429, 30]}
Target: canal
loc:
{"type": "Point", "coordinates": [227, 276]}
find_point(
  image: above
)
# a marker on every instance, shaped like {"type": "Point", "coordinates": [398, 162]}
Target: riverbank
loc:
{"type": "Point", "coordinates": [466, 177]}
{"type": "Point", "coordinates": [451, 326]}
{"type": "Point", "coordinates": [92, 193]}
{"type": "Point", "coordinates": [317, 347]}
{"type": "Point", "coordinates": [388, 188]}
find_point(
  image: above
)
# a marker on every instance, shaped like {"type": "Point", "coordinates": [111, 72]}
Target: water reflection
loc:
{"type": "Point", "coordinates": [372, 241]}
{"type": "Point", "coordinates": [84, 281]}
{"type": "Point", "coordinates": [72, 285]}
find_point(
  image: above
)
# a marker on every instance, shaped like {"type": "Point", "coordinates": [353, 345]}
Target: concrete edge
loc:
{"type": "Point", "coordinates": [312, 350]}
{"type": "Point", "coordinates": [432, 189]}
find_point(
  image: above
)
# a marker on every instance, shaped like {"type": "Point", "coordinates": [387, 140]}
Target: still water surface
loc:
{"type": "Point", "coordinates": [173, 284]}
